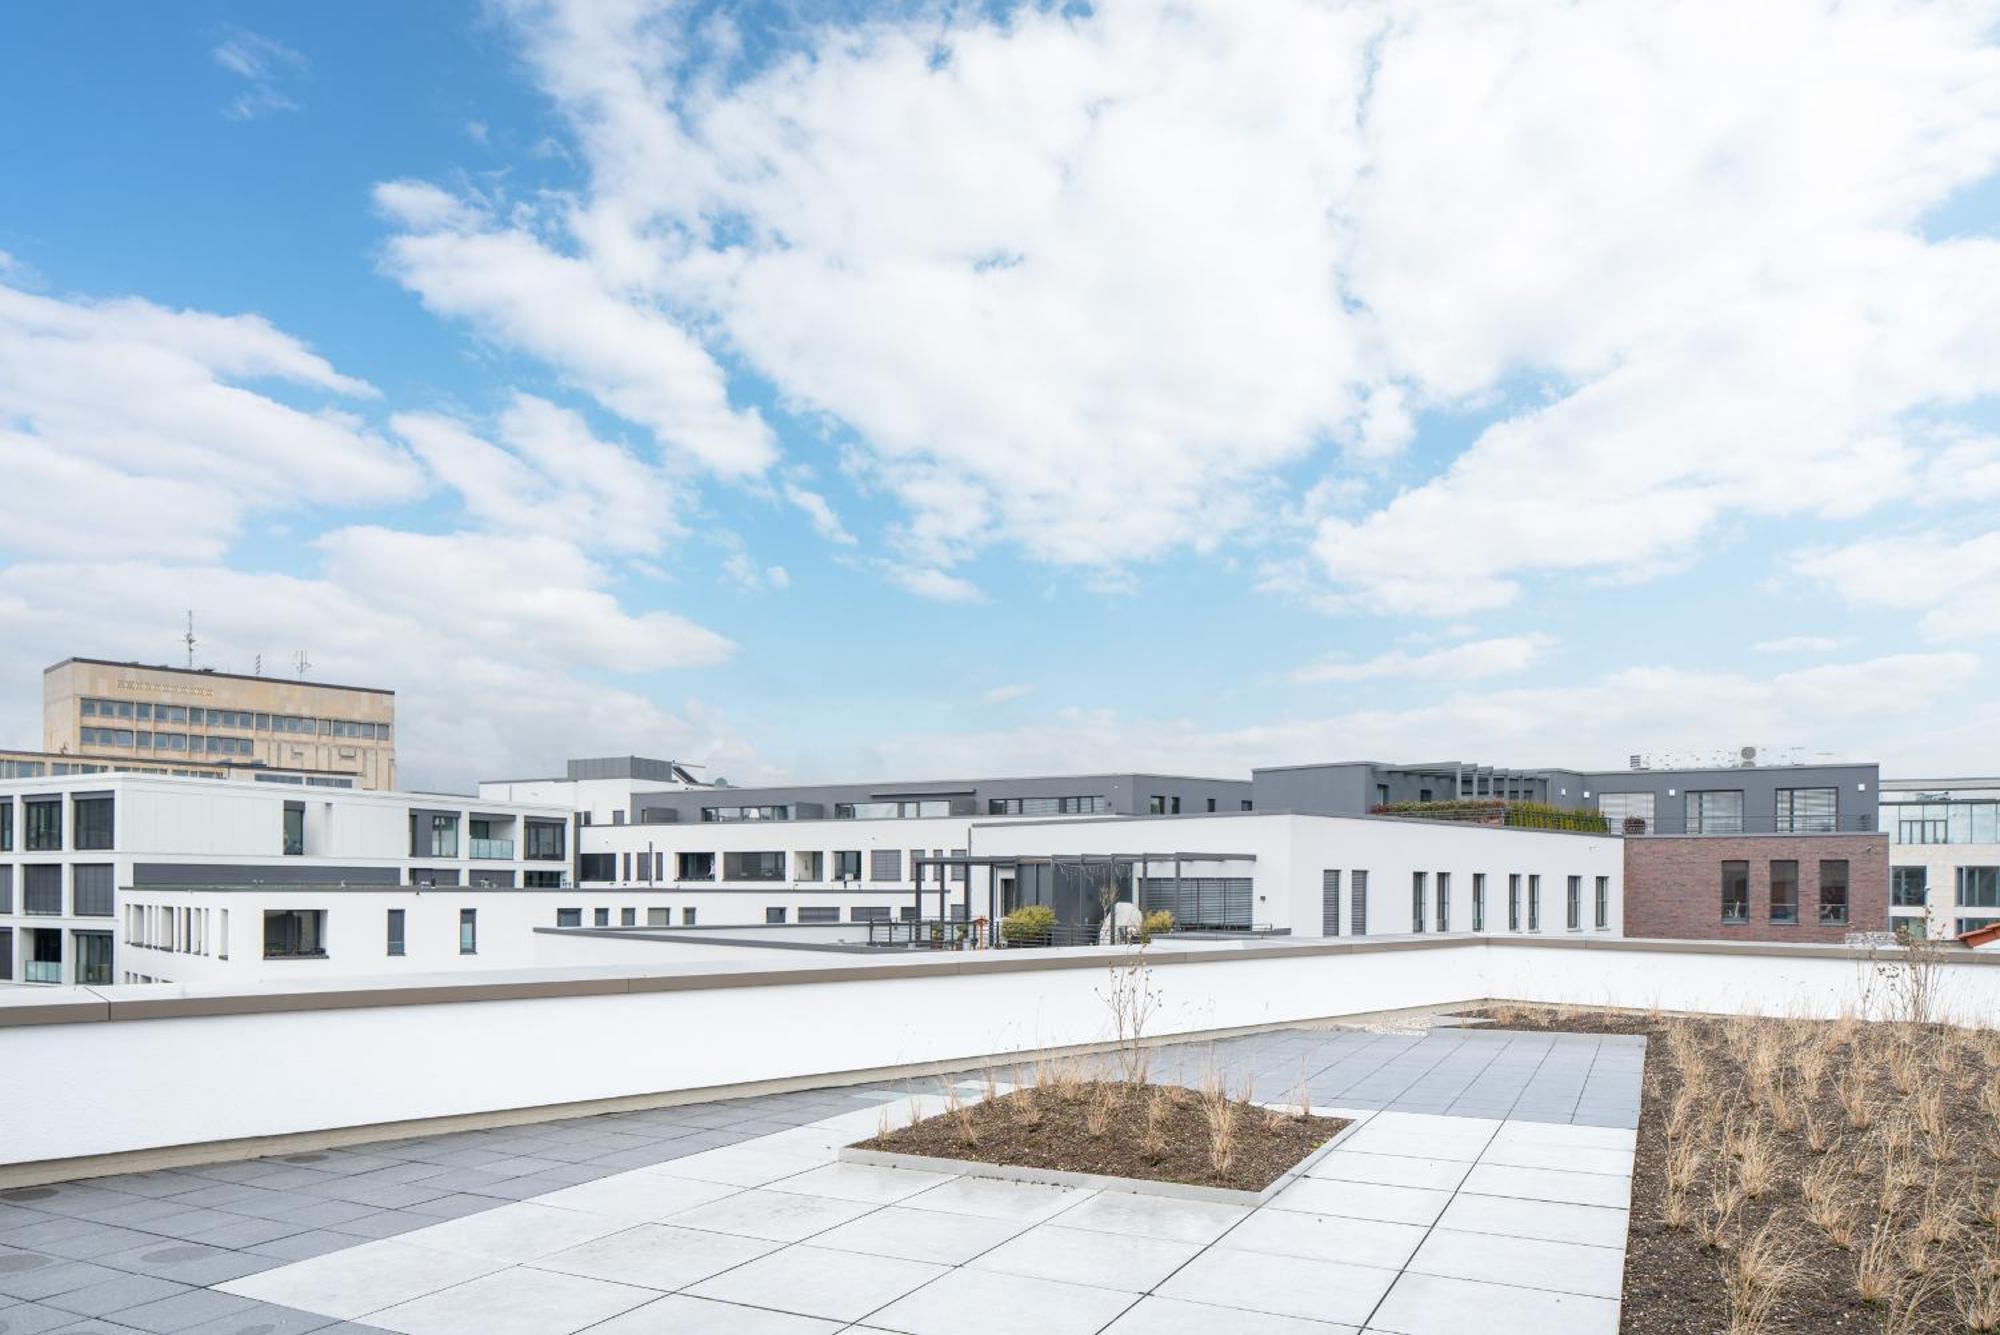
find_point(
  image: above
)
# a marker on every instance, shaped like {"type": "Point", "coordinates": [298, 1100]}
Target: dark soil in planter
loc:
{"type": "Point", "coordinates": [1675, 1284]}
{"type": "Point", "coordinates": [1052, 1127]}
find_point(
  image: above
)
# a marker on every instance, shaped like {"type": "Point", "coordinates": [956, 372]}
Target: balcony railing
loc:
{"type": "Point", "coordinates": [1725, 825]}
{"type": "Point", "coordinates": [500, 849]}
{"type": "Point", "coordinates": [44, 971]}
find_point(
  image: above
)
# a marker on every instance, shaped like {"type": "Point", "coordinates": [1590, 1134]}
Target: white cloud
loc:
{"type": "Point", "coordinates": [937, 585]}
{"type": "Point", "coordinates": [816, 509]}
{"type": "Point", "coordinates": [551, 475]}
{"type": "Point", "coordinates": [131, 429]}
{"type": "Point", "coordinates": [265, 66]}
{"type": "Point", "coordinates": [1000, 695]}
{"type": "Point", "coordinates": [1096, 285]}
{"type": "Point", "coordinates": [619, 348]}
{"type": "Point", "coordinates": [1953, 584]}
{"type": "Point", "coordinates": [1799, 644]}
{"type": "Point", "coordinates": [746, 574]}
{"type": "Point", "coordinates": [1472, 661]}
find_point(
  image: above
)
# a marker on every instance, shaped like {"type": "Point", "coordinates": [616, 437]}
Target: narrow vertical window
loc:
{"type": "Point", "coordinates": [1514, 902]}
{"type": "Point", "coordinates": [1573, 904]}
{"type": "Point", "coordinates": [468, 931]}
{"type": "Point", "coordinates": [1357, 903]}
{"type": "Point", "coordinates": [1329, 903]}
{"type": "Point", "coordinates": [1444, 901]}
{"type": "Point", "coordinates": [1833, 893]}
{"type": "Point", "coordinates": [1604, 901]}
{"type": "Point", "coordinates": [395, 932]}
{"type": "Point", "coordinates": [1419, 887]}
{"type": "Point", "coordinates": [1534, 902]}
{"type": "Point", "coordinates": [1479, 901]}
{"type": "Point", "coordinates": [1735, 892]}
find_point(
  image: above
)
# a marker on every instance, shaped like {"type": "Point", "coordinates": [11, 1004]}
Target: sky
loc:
{"type": "Point", "coordinates": [851, 391]}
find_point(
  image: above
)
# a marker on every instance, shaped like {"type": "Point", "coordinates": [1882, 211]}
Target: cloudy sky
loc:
{"type": "Point", "coordinates": [830, 390]}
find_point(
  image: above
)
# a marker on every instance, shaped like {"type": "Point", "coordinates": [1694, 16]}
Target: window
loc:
{"type": "Point", "coordinates": [6, 954]}
{"type": "Point", "coordinates": [468, 931]}
{"type": "Point", "coordinates": [659, 917]}
{"type": "Point", "coordinates": [1156, 806]}
{"type": "Point", "coordinates": [542, 841]}
{"type": "Point", "coordinates": [1573, 904]}
{"type": "Point", "coordinates": [41, 889]}
{"type": "Point", "coordinates": [1909, 887]}
{"type": "Point", "coordinates": [1514, 902]}
{"type": "Point", "coordinates": [809, 913]}
{"type": "Point", "coordinates": [541, 880]}
{"type": "Point", "coordinates": [1175, 804]}
{"type": "Point", "coordinates": [847, 865]}
{"type": "Point", "coordinates": [868, 913]}
{"type": "Point", "coordinates": [433, 834]}
{"type": "Point", "coordinates": [1735, 892]}
{"type": "Point", "coordinates": [90, 890]}
{"type": "Point", "coordinates": [1833, 893]}
{"type": "Point", "coordinates": [1807, 810]}
{"type": "Point", "coordinates": [6, 825]}
{"type": "Point", "coordinates": [42, 960]}
{"type": "Point", "coordinates": [1444, 901]}
{"type": "Point", "coordinates": [1479, 901]}
{"type": "Point", "coordinates": [42, 822]}
{"type": "Point", "coordinates": [774, 915]}
{"type": "Point", "coordinates": [1978, 887]}
{"type": "Point", "coordinates": [93, 822]}
{"type": "Point", "coordinates": [740, 813]}
{"type": "Point", "coordinates": [885, 864]}
{"type": "Point", "coordinates": [569, 917]}
{"type": "Point", "coordinates": [687, 917]}
{"type": "Point", "coordinates": [1959, 926]}
{"type": "Point", "coordinates": [295, 829]}
{"type": "Point", "coordinates": [1047, 806]}
{"type": "Point", "coordinates": [1211, 804]}
{"type": "Point", "coordinates": [809, 865]}
{"type": "Point", "coordinates": [693, 866]}
{"type": "Point", "coordinates": [600, 917]}
{"type": "Point", "coordinates": [395, 931]}
{"type": "Point", "coordinates": [753, 866]}
{"type": "Point", "coordinates": [1357, 902]}
{"type": "Point", "coordinates": [1604, 901]}
{"type": "Point", "coordinates": [6, 890]}
{"type": "Point", "coordinates": [1419, 887]}
{"type": "Point", "coordinates": [1329, 903]}
{"type": "Point", "coordinates": [1784, 891]}
{"type": "Point", "coordinates": [1715, 812]}
{"type": "Point", "coordinates": [891, 810]}
{"type": "Point", "coordinates": [294, 934]}
{"type": "Point", "coordinates": [597, 867]}
{"type": "Point", "coordinates": [1534, 902]}
{"type": "Point", "coordinates": [628, 917]}
{"type": "Point", "coordinates": [93, 958]}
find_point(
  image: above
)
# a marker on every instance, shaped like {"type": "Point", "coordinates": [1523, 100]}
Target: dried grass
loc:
{"type": "Point", "coordinates": [1877, 1269]}
{"type": "Point", "coordinates": [1851, 1089]}
{"type": "Point", "coordinates": [1757, 1276]}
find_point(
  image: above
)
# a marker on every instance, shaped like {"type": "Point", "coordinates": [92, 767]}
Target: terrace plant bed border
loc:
{"type": "Point", "coordinates": [1108, 1134]}
{"type": "Point", "coordinates": [1800, 1175]}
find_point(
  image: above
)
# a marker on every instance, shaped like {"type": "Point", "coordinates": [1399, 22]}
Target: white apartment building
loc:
{"type": "Point", "coordinates": [1944, 854]}
{"type": "Point", "coordinates": [139, 877]}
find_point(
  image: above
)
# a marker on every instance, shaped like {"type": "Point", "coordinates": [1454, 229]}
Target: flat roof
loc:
{"type": "Point", "coordinates": [211, 672]}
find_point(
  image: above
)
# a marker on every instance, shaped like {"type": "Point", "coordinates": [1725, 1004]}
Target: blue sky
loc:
{"type": "Point", "coordinates": [846, 391]}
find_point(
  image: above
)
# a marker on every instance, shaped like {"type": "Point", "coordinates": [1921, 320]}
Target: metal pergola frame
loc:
{"type": "Point", "coordinates": [1013, 861]}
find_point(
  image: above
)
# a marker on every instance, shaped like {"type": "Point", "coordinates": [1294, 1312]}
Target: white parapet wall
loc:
{"type": "Point", "coordinates": [147, 1075]}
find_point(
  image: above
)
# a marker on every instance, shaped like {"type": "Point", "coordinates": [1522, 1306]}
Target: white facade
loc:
{"type": "Point", "coordinates": [1944, 854]}
{"type": "Point", "coordinates": [98, 870]}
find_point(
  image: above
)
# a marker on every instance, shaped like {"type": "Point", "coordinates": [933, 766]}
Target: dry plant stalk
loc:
{"type": "Point", "coordinates": [1939, 1220]}
{"type": "Point", "coordinates": [1986, 1206]}
{"type": "Point", "coordinates": [1097, 1111]}
{"type": "Point", "coordinates": [1784, 1113]}
{"type": "Point", "coordinates": [1832, 1218]}
{"type": "Point", "coordinates": [1876, 1269]}
{"type": "Point", "coordinates": [1153, 1141]}
{"type": "Point", "coordinates": [1928, 1107]}
{"type": "Point", "coordinates": [1852, 1092]}
{"type": "Point", "coordinates": [1821, 1183]}
{"type": "Point", "coordinates": [1756, 1277]}
{"type": "Point", "coordinates": [1684, 1163]}
{"type": "Point", "coordinates": [1977, 1297]}
{"type": "Point", "coordinates": [1220, 1112]}
{"type": "Point", "coordinates": [960, 1112]}
{"type": "Point", "coordinates": [1819, 1136]}
{"type": "Point", "coordinates": [1713, 1225]}
{"type": "Point", "coordinates": [1676, 1211]}
{"type": "Point", "coordinates": [1901, 1063]}
{"type": "Point", "coordinates": [1756, 1165]}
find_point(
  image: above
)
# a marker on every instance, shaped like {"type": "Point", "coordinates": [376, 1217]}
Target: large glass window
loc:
{"type": "Point", "coordinates": [569, 917]}
{"type": "Point", "coordinates": [742, 813]}
{"type": "Point", "coordinates": [1976, 822]}
{"type": "Point", "coordinates": [6, 824]}
{"type": "Point", "coordinates": [598, 867]}
{"type": "Point", "coordinates": [1627, 813]}
{"type": "Point", "coordinates": [808, 865]}
{"type": "Point", "coordinates": [1807, 810]}
{"type": "Point", "coordinates": [1718, 811]}
{"type": "Point", "coordinates": [1444, 901]}
{"type": "Point", "coordinates": [294, 934]}
{"type": "Point", "coordinates": [295, 829]}
{"type": "Point", "coordinates": [395, 931]}
{"type": "Point", "coordinates": [1833, 893]}
{"type": "Point", "coordinates": [885, 864]}
{"type": "Point", "coordinates": [93, 958]}
{"type": "Point", "coordinates": [42, 889]}
{"type": "Point", "coordinates": [91, 893]}
{"type": "Point", "coordinates": [1979, 887]}
{"type": "Point", "coordinates": [1736, 892]}
{"type": "Point", "coordinates": [433, 834]}
{"type": "Point", "coordinates": [1909, 887]}
{"type": "Point", "coordinates": [1785, 891]}
{"type": "Point", "coordinates": [753, 866]}
{"type": "Point", "coordinates": [42, 824]}
{"type": "Point", "coordinates": [542, 841]}
{"type": "Point", "coordinates": [847, 864]}
{"type": "Point", "coordinates": [42, 957]}
{"type": "Point", "coordinates": [694, 866]}
{"type": "Point", "coordinates": [1047, 806]}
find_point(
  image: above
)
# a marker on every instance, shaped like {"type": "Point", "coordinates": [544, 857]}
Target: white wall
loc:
{"type": "Point", "coordinates": [131, 1084]}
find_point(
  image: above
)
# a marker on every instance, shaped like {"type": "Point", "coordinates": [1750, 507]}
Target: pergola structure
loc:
{"type": "Point", "coordinates": [1143, 864]}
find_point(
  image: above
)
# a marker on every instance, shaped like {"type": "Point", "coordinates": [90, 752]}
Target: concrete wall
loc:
{"type": "Point", "coordinates": [123, 1070]}
{"type": "Point", "coordinates": [1673, 885]}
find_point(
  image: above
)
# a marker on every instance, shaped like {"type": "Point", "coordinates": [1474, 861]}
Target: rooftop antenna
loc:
{"type": "Point", "coordinates": [257, 666]}
{"type": "Point", "coordinates": [189, 639]}
{"type": "Point", "coordinates": [302, 663]}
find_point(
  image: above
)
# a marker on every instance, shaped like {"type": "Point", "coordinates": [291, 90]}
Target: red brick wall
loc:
{"type": "Point", "coordinates": [1673, 885]}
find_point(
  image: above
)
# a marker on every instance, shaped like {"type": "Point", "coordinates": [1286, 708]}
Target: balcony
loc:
{"type": "Point", "coordinates": [42, 971]}
{"type": "Point", "coordinates": [497, 850]}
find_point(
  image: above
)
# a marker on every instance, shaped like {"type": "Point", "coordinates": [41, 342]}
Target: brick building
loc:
{"type": "Point", "coordinates": [1757, 887]}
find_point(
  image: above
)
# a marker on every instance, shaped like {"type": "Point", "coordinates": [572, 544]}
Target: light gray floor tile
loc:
{"type": "Point", "coordinates": [113, 1295]}
{"type": "Point", "coordinates": [1028, 1202]}
{"type": "Point", "coordinates": [977, 1302]}
{"type": "Point", "coordinates": [1565, 1267]}
{"type": "Point", "coordinates": [1163, 1217]}
{"type": "Point", "coordinates": [657, 1256]}
{"type": "Point", "coordinates": [519, 1301]}
{"type": "Point", "coordinates": [1361, 1200]}
{"type": "Point", "coordinates": [920, 1235]}
{"type": "Point", "coordinates": [1282, 1285]}
{"type": "Point", "coordinates": [516, 1232]}
{"type": "Point", "coordinates": [1592, 1225]}
{"type": "Point", "coordinates": [1391, 1170]}
{"type": "Point", "coordinates": [813, 1281]}
{"type": "Point", "coordinates": [1545, 1133]}
{"type": "Point", "coordinates": [1172, 1316]}
{"type": "Point", "coordinates": [1563, 1158]}
{"type": "Point", "coordinates": [1326, 1238]}
{"type": "Point", "coordinates": [1081, 1256]}
{"type": "Point", "coordinates": [638, 1197]}
{"type": "Point", "coordinates": [682, 1315]}
{"type": "Point", "coordinates": [867, 1183]}
{"type": "Point", "coordinates": [1545, 1184]}
{"type": "Point", "coordinates": [352, 1283]}
{"type": "Point", "coordinates": [1430, 1305]}
{"type": "Point", "coordinates": [773, 1215]}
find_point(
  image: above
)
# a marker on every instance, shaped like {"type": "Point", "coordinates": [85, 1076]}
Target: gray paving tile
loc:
{"type": "Point", "coordinates": [31, 1276]}
{"type": "Point", "coordinates": [176, 1313]}
{"type": "Point", "coordinates": [33, 1318]}
{"type": "Point", "coordinates": [115, 1295]}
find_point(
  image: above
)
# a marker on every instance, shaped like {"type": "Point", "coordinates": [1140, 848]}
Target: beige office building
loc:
{"type": "Point", "coordinates": [131, 716]}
